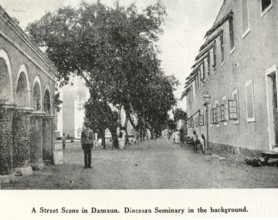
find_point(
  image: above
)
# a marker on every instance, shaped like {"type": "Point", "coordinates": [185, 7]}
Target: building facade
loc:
{"type": "Point", "coordinates": [27, 85]}
{"type": "Point", "coordinates": [237, 68]}
{"type": "Point", "coordinates": [70, 119]}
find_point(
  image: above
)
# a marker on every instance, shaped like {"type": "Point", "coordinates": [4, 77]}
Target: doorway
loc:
{"type": "Point", "coordinates": [272, 106]}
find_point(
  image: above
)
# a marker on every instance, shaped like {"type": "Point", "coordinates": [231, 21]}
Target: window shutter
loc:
{"type": "Point", "coordinates": [208, 66]}
{"type": "Point", "coordinates": [214, 115]}
{"type": "Point", "coordinates": [232, 109]}
{"type": "Point", "coordinates": [223, 115]}
{"type": "Point", "coordinates": [231, 30]}
{"type": "Point", "coordinates": [226, 111]}
{"type": "Point", "coordinates": [197, 121]}
{"type": "Point", "coordinates": [222, 47]}
{"type": "Point", "coordinates": [214, 55]}
{"type": "Point", "coordinates": [218, 108]}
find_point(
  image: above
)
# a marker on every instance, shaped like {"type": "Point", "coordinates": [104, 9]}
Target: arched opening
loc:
{"type": "Point", "coordinates": [22, 91]}
{"type": "Point", "coordinates": [37, 96]}
{"type": "Point", "coordinates": [5, 86]}
{"type": "Point", "coordinates": [47, 107]}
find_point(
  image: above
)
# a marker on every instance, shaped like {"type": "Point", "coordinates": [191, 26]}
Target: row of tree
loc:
{"type": "Point", "coordinates": [115, 50]}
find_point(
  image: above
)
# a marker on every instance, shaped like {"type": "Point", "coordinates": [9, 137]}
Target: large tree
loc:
{"type": "Point", "coordinates": [115, 50]}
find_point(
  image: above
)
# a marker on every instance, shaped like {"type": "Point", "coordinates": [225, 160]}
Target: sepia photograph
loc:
{"type": "Point", "coordinates": [138, 95]}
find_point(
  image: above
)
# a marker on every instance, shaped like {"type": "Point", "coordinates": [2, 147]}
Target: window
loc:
{"type": "Point", "coordinates": [214, 56]}
{"type": "Point", "coordinates": [218, 109]}
{"type": "Point", "coordinates": [231, 31]}
{"type": "Point", "coordinates": [205, 67]}
{"type": "Point", "coordinates": [214, 116]}
{"type": "Point", "coordinates": [202, 73]}
{"type": "Point", "coordinates": [208, 63]}
{"type": "Point", "coordinates": [266, 5]}
{"type": "Point", "coordinates": [224, 110]}
{"type": "Point", "coordinates": [190, 123]}
{"type": "Point", "coordinates": [232, 104]}
{"type": "Point", "coordinates": [222, 47]}
{"type": "Point", "coordinates": [245, 17]}
{"type": "Point", "coordinates": [250, 108]}
{"type": "Point", "coordinates": [223, 113]}
{"type": "Point", "coordinates": [197, 121]}
{"type": "Point", "coordinates": [236, 98]}
{"type": "Point", "coordinates": [200, 76]}
{"type": "Point", "coordinates": [196, 84]}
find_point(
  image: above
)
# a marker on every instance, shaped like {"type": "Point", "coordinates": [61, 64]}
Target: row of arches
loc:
{"type": "Point", "coordinates": [21, 95]}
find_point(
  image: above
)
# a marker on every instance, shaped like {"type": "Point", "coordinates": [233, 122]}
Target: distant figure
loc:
{"type": "Point", "coordinates": [135, 133]}
{"type": "Point", "coordinates": [169, 135]}
{"type": "Point", "coordinates": [203, 143]}
{"type": "Point", "coordinates": [87, 142]}
{"type": "Point", "coordinates": [64, 141]}
{"type": "Point", "coordinates": [196, 141]}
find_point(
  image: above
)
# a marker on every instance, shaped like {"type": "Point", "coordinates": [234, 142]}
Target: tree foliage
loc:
{"type": "Point", "coordinates": [115, 50]}
{"type": "Point", "coordinates": [179, 114]}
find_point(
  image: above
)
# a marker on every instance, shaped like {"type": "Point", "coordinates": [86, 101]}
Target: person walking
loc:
{"type": "Point", "coordinates": [196, 141]}
{"type": "Point", "coordinates": [87, 142]}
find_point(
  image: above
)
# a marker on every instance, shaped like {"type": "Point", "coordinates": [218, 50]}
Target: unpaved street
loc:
{"type": "Point", "coordinates": [151, 165]}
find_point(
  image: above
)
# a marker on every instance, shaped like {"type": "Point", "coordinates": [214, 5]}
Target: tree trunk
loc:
{"type": "Point", "coordinates": [126, 136]}
{"type": "Point", "coordinates": [103, 138]}
{"type": "Point", "coordinates": [115, 140]}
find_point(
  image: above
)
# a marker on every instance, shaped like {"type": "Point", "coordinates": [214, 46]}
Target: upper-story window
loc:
{"type": "Point", "coordinates": [222, 47]}
{"type": "Point", "coordinates": [200, 76]}
{"type": "Point", "coordinates": [205, 68]}
{"type": "Point", "coordinates": [231, 31]}
{"type": "Point", "coordinates": [202, 73]}
{"type": "Point", "coordinates": [214, 56]}
{"type": "Point", "coordinates": [245, 17]}
{"type": "Point", "coordinates": [265, 5]}
{"type": "Point", "coordinates": [208, 63]}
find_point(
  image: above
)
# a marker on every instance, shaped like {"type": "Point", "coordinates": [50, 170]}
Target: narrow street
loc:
{"type": "Point", "coordinates": [150, 165]}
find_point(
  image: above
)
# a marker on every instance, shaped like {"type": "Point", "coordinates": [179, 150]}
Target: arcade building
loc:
{"type": "Point", "coordinates": [27, 85]}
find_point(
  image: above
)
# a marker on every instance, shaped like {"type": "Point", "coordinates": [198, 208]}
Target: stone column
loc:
{"type": "Point", "coordinates": [6, 139]}
{"type": "Point", "coordinates": [48, 136]}
{"type": "Point", "coordinates": [36, 141]}
{"type": "Point", "coordinates": [21, 142]}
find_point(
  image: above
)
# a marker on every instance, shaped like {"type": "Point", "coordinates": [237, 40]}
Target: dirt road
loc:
{"type": "Point", "coordinates": [151, 165]}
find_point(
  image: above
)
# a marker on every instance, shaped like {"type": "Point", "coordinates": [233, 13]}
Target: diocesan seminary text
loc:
{"type": "Point", "coordinates": [130, 210]}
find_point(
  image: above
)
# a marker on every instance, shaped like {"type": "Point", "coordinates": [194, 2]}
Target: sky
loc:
{"type": "Point", "coordinates": [184, 28]}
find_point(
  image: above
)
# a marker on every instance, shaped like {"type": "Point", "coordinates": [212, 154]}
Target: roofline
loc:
{"type": "Point", "coordinates": [219, 23]}
{"type": "Point", "coordinates": [4, 16]}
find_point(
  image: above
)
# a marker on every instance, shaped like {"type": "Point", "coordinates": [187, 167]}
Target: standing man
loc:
{"type": "Point", "coordinates": [87, 142]}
